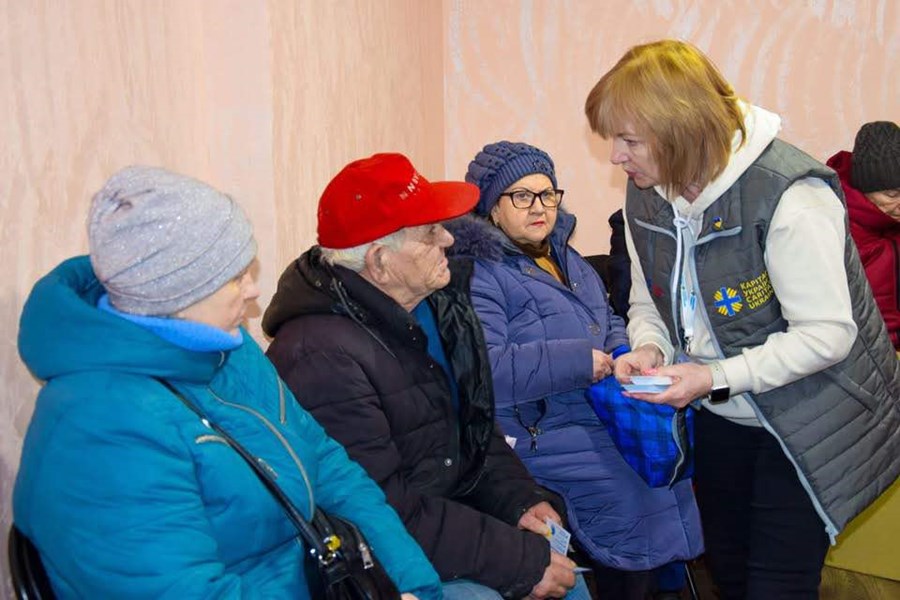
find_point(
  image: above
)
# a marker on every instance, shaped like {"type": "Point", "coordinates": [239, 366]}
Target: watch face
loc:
{"type": "Point", "coordinates": [719, 395]}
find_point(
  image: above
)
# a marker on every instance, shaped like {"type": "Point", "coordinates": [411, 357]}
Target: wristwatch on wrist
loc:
{"type": "Point", "coordinates": [720, 391]}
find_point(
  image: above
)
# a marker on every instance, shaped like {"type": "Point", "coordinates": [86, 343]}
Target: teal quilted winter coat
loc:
{"type": "Point", "coordinates": [127, 494]}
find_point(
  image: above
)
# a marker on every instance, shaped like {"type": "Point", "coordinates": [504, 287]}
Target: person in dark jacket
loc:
{"type": "Point", "coordinates": [374, 333]}
{"type": "Point", "coordinates": [551, 333]}
{"type": "Point", "coordinates": [618, 267]}
{"type": "Point", "coordinates": [870, 178]}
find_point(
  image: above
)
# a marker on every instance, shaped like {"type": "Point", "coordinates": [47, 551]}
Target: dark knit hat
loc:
{"type": "Point", "coordinates": [875, 165]}
{"type": "Point", "coordinates": [160, 241]}
{"type": "Point", "coordinates": [500, 165]}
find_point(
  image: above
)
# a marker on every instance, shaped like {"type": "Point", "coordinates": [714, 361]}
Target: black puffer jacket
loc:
{"type": "Point", "coordinates": [359, 362]}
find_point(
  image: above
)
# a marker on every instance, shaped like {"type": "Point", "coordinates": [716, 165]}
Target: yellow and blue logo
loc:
{"type": "Point", "coordinates": [728, 301]}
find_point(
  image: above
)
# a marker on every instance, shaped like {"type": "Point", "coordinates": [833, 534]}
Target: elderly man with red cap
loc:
{"type": "Point", "coordinates": [375, 335]}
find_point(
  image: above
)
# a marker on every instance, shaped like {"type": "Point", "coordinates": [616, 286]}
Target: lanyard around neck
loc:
{"type": "Point", "coordinates": [687, 299]}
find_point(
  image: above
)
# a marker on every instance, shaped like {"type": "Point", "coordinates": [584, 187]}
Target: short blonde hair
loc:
{"type": "Point", "coordinates": [673, 95]}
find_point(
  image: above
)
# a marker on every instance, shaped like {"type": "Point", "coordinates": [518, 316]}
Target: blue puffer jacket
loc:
{"type": "Point", "coordinates": [128, 495]}
{"type": "Point", "coordinates": [539, 334]}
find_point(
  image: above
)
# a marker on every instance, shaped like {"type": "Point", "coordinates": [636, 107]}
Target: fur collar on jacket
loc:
{"type": "Point", "coordinates": [477, 238]}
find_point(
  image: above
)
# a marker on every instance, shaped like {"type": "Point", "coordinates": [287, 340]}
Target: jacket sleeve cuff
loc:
{"type": "Point", "coordinates": [542, 494]}
{"type": "Point", "coordinates": [737, 373]}
{"type": "Point", "coordinates": [534, 563]}
{"type": "Point", "coordinates": [620, 350]}
{"type": "Point", "coordinates": [663, 344]}
{"type": "Point", "coordinates": [572, 364]}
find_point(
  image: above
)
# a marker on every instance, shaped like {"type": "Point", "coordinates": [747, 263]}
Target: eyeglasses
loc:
{"type": "Point", "coordinates": [550, 198]}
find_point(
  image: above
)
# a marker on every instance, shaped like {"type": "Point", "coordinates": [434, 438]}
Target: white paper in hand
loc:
{"type": "Point", "coordinates": [647, 384]}
{"type": "Point", "coordinates": [558, 536]}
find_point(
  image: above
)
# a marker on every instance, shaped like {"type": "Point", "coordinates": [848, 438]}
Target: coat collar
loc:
{"type": "Point", "coordinates": [477, 238]}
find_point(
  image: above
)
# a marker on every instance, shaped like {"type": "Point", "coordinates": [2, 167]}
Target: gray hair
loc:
{"type": "Point", "coordinates": [355, 258]}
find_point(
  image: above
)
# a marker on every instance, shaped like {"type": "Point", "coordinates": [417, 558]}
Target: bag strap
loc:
{"type": "Point", "coordinates": [303, 526]}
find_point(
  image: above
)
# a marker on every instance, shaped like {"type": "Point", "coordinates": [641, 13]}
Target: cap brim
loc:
{"type": "Point", "coordinates": [450, 199]}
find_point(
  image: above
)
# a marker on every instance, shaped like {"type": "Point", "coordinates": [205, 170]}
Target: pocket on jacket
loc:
{"type": "Point", "coordinates": [854, 390]}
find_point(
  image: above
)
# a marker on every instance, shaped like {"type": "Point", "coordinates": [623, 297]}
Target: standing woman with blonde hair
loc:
{"type": "Point", "coordinates": [749, 293]}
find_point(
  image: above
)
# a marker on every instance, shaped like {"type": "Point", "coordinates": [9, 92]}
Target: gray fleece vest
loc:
{"type": "Point", "coordinates": [841, 426]}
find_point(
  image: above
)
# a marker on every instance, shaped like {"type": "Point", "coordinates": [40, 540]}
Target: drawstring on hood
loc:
{"type": "Point", "coordinates": [762, 127]}
{"type": "Point", "coordinates": [686, 300]}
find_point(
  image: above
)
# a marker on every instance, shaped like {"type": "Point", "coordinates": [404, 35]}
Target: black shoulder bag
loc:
{"type": "Point", "coordinates": [339, 563]}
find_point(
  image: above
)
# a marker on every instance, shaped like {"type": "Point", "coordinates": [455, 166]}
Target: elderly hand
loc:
{"type": "Point", "coordinates": [603, 365]}
{"type": "Point", "coordinates": [533, 518]}
{"type": "Point", "coordinates": [559, 578]}
{"type": "Point", "coordinates": [640, 361]}
{"type": "Point", "coordinates": [689, 382]}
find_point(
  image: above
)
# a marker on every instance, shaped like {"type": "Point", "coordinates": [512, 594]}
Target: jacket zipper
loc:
{"type": "Point", "coordinates": [278, 435]}
{"type": "Point", "coordinates": [830, 527]}
{"type": "Point", "coordinates": [676, 316]}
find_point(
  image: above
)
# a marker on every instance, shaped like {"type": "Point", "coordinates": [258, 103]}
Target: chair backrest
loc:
{"type": "Point", "coordinates": [29, 579]}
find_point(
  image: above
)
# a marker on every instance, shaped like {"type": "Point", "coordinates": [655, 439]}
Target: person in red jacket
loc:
{"type": "Point", "coordinates": [870, 176]}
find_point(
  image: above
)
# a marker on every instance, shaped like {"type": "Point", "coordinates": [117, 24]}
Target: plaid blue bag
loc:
{"type": "Point", "coordinates": [656, 440]}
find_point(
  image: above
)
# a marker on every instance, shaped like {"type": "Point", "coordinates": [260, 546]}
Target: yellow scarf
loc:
{"type": "Point", "coordinates": [541, 256]}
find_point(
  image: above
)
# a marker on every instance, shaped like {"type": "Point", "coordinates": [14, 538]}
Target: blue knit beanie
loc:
{"type": "Point", "coordinates": [500, 165]}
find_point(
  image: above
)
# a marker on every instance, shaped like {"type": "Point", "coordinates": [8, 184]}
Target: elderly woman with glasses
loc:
{"type": "Point", "coordinates": [550, 334]}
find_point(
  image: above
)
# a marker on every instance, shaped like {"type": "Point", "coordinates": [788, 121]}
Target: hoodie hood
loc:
{"type": "Point", "coordinates": [307, 286]}
{"type": "Point", "coordinates": [476, 237]}
{"type": "Point", "coordinates": [861, 210]}
{"type": "Point", "coordinates": [62, 332]}
{"type": "Point", "coordinates": [762, 128]}
{"type": "Point", "coordinates": [310, 286]}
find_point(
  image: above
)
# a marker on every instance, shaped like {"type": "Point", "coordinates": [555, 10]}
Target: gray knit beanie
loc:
{"type": "Point", "coordinates": [500, 165]}
{"type": "Point", "coordinates": [160, 241]}
{"type": "Point", "coordinates": [875, 164]}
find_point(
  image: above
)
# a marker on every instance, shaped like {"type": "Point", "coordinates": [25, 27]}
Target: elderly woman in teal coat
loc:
{"type": "Point", "coordinates": [126, 492]}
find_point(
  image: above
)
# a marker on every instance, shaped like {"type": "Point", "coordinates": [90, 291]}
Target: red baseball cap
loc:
{"type": "Point", "coordinates": [376, 196]}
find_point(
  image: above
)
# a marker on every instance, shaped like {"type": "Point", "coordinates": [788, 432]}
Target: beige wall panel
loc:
{"type": "Point", "coordinates": [351, 79]}
{"type": "Point", "coordinates": [521, 69]}
{"type": "Point", "coordinates": [263, 100]}
{"type": "Point", "coordinates": [88, 87]}
{"type": "Point", "coordinates": [266, 100]}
